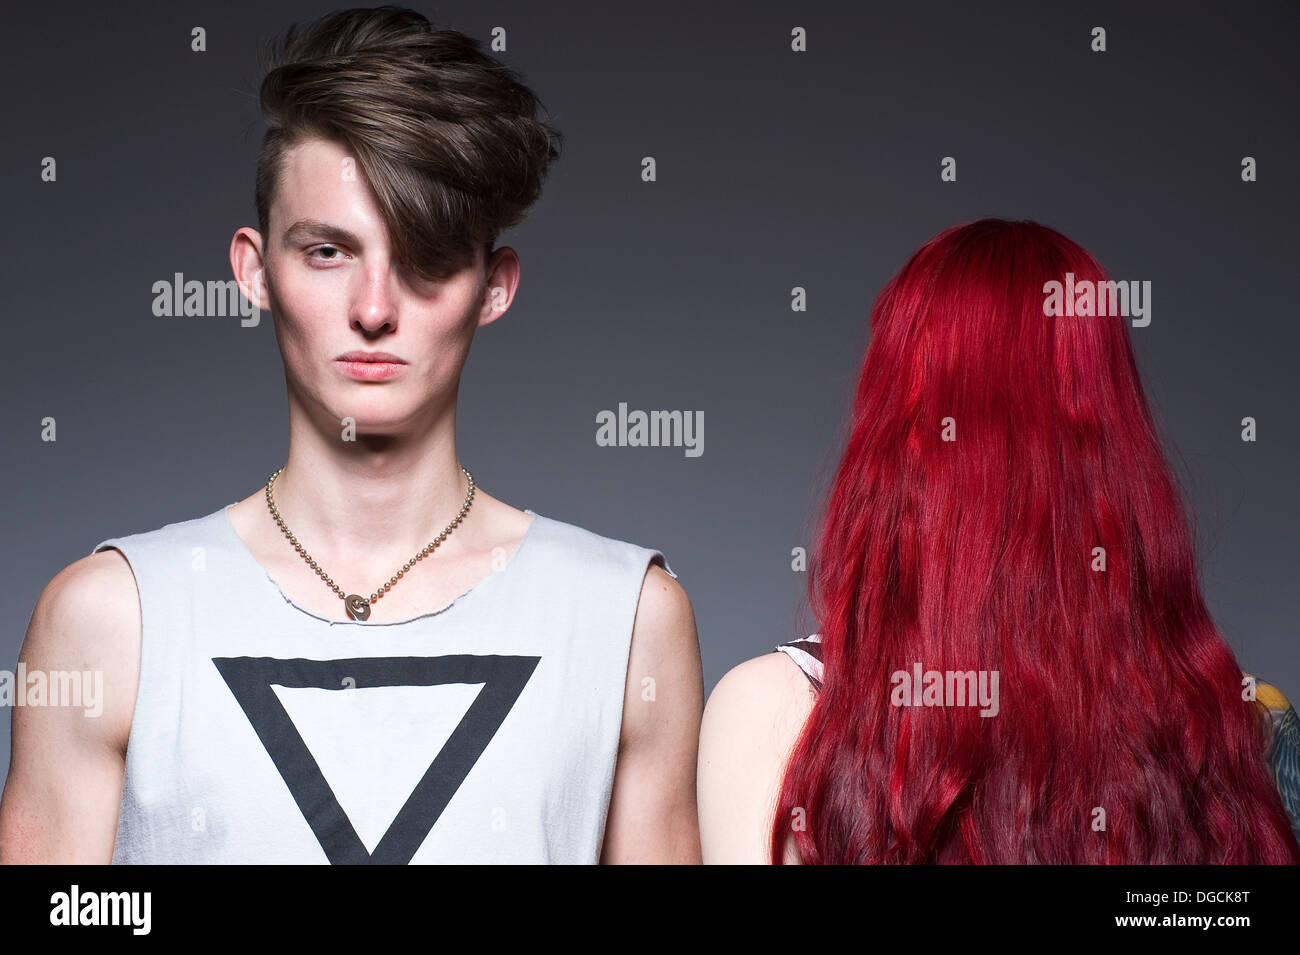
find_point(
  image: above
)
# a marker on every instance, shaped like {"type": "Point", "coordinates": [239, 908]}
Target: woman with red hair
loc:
{"type": "Point", "coordinates": [1014, 662]}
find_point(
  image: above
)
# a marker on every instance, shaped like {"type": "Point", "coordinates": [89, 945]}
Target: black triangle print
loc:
{"type": "Point", "coordinates": [250, 679]}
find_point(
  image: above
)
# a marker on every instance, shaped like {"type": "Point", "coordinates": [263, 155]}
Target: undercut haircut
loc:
{"type": "Point", "coordinates": [454, 146]}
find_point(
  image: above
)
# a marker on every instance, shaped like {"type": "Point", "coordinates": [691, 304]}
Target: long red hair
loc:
{"type": "Point", "coordinates": [968, 544]}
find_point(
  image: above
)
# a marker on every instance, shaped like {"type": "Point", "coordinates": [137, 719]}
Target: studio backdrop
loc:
{"type": "Point", "coordinates": [737, 183]}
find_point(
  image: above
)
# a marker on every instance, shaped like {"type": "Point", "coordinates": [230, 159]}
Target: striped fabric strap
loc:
{"type": "Point", "coordinates": [807, 654]}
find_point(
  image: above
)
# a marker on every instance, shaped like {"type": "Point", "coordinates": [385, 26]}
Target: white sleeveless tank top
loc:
{"type": "Point", "coordinates": [483, 732]}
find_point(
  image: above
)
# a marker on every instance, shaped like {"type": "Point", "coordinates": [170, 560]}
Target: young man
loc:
{"type": "Point", "coordinates": [523, 690]}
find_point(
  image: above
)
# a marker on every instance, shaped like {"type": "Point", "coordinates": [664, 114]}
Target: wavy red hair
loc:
{"type": "Point", "coordinates": [1116, 689]}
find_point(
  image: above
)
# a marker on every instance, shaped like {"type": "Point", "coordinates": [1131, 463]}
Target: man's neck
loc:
{"type": "Point", "coordinates": [374, 499]}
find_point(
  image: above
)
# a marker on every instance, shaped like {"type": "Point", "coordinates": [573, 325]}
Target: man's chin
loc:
{"type": "Point", "coordinates": [372, 423]}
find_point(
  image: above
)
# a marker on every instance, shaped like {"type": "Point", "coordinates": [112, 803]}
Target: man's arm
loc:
{"type": "Point", "coordinates": [652, 813]}
{"type": "Point", "coordinates": [66, 766]}
{"type": "Point", "coordinates": [754, 718]}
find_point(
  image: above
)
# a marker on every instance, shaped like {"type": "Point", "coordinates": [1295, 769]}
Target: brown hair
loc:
{"type": "Point", "coordinates": [448, 138]}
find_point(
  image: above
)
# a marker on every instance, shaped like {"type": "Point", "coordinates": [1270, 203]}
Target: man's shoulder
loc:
{"type": "Point", "coordinates": [598, 550]}
{"type": "Point", "coordinates": [99, 584]}
{"type": "Point", "coordinates": [587, 567]}
{"type": "Point", "coordinates": [169, 534]}
{"type": "Point", "coordinates": [663, 608]}
{"type": "Point", "coordinates": [88, 618]}
{"type": "Point", "coordinates": [93, 604]}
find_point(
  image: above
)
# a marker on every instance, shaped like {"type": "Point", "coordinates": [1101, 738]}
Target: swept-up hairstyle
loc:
{"type": "Point", "coordinates": [452, 143]}
{"type": "Point", "coordinates": [1119, 700]}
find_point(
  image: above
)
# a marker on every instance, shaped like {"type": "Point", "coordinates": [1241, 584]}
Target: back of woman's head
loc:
{"type": "Point", "coordinates": [1003, 519]}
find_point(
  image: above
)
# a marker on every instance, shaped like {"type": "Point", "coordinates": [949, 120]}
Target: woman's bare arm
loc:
{"type": "Point", "coordinates": [751, 723]}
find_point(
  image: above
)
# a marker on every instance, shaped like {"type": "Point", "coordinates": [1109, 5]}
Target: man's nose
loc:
{"type": "Point", "coordinates": [375, 307]}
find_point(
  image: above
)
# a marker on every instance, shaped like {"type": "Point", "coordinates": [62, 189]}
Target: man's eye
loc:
{"type": "Point", "coordinates": [328, 253]}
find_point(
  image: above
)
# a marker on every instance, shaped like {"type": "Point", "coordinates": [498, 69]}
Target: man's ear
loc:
{"type": "Point", "coordinates": [503, 278]}
{"type": "Point", "coordinates": [249, 267]}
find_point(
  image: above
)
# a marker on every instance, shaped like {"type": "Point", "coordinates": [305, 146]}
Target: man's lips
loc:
{"type": "Point", "coordinates": [370, 365]}
{"type": "Point", "coordinates": [371, 356]}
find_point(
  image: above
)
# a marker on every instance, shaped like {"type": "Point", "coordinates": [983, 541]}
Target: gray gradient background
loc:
{"type": "Point", "coordinates": [775, 169]}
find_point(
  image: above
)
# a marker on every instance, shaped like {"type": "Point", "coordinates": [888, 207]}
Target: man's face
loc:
{"type": "Point", "coordinates": [335, 291]}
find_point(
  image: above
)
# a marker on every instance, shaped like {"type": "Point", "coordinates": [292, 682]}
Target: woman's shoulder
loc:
{"type": "Point", "coordinates": [751, 723]}
{"type": "Point", "coordinates": [806, 652]}
{"type": "Point", "coordinates": [763, 686]}
{"type": "Point", "coordinates": [758, 707]}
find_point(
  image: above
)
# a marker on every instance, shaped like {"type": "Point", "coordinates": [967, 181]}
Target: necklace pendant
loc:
{"type": "Point", "coordinates": [358, 607]}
